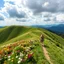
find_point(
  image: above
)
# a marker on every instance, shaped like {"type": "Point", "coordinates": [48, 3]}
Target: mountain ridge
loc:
{"type": "Point", "coordinates": [52, 42]}
{"type": "Point", "coordinates": [54, 28]}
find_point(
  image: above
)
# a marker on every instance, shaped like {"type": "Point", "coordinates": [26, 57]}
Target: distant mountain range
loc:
{"type": "Point", "coordinates": [1, 26]}
{"type": "Point", "coordinates": [59, 29]}
{"type": "Point", "coordinates": [55, 28]}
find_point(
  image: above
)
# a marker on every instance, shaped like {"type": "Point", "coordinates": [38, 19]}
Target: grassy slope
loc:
{"type": "Point", "coordinates": [53, 42]}
{"type": "Point", "coordinates": [11, 32]}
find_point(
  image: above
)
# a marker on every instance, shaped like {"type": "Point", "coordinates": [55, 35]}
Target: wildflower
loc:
{"type": "Point", "coordinates": [9, 56]}
{"type": "Point", "coordinates": [12, 53]}
{"type": "Point", "coordinates": [5, 55]}
{"type": "Point", "coordinates": [0, 52]}
{"type": "Point", "coordinates": [19, 58]}
{"type": "Point", "coordinates": [5, 62]}
{"type": "Point", "coordinates": [18, 51]}
{"type": "Point", "coordinates": [21, 54]}
{"type": "Point", "coordinates": [12, 60]}
{"type": "Point", "coordinates": [30, 55]}
{"type": "Point", "coordinates": [16, 56]}
{"type": "Point", "coordinates": [9, 53]}
{"type": "Point", "coordinates": [19, 62]}
{"type": "Point", "coordinates": [26, 56]}
{"type": "Point", "coordinates": [23, 60]}
{"type": "Point", "coordinates": [31, 42]}
{"type": "Point", "coordinates": [27, 50]}
{"type": "Point", "coordinates": [9, 59]}
{"type": "Point", "coordinates": [9, 46]}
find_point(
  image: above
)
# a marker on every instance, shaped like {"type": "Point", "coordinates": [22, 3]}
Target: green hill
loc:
{"type": "Point", "coordinates": [8, 33]}
{"type": "Point", "coordinates": [53, 43]}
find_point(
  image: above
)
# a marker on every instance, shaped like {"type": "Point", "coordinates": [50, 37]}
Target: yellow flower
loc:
{"type": "Point", "coordinates": [5, 62]}
{"type": "Point", "coordinates": [12, 60]}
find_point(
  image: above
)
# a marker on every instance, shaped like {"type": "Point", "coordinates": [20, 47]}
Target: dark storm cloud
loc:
{"type": "Point", "coordinates": [37, 6]}
{"type": "Point", "coordinates": [34, 5]}
{"type": "Point", "coordinates": [47, 15]}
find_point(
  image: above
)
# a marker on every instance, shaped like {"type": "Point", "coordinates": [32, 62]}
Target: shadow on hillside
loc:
{"type": "Point", "coordinates": [45, 46]}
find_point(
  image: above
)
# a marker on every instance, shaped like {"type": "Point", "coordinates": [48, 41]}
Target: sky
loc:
{"type": "Point", "coordinates": [31, 12]}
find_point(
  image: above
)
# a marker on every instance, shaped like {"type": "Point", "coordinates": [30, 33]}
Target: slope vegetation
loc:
{"type": "Point", "coordinates": [53, 43]}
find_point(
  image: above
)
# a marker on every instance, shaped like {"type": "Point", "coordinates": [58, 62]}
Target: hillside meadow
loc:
{"type": "Point", "coordinates": [21, 45]}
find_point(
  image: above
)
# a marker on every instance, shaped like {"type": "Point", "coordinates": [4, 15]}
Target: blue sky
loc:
{"type": "Point", "coordinates": [31, 12]}
{"type": "Point", "coordinates": [1, 3]}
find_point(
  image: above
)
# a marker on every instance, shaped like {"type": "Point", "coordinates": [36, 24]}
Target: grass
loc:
{"type": "Point", "coordinates": [56, 53]}
{"type": "Point", "coordinates": [53, 43]}
{"type": "Point", "coordinates": [39, 54]}
{"type": "Point", "coordinates": [11, 51]}
{"type": "Point", "coordinates": [12, 32]}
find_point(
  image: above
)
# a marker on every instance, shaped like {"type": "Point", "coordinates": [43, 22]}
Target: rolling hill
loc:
{"type": "Point", "coordinates": [53, 43]}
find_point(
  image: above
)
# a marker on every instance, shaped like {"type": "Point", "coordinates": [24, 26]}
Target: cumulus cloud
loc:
{"type": "Point", "coordinates": [60, 17]}
{"type": "Point", "coordinates": [1, 17]}
{"type": "Point", "coordinates": [14, 11]}
{"type": "Point", "coordinates": [38, 6]}
{"type": "Point", "coordinates": [40, 12]}
{"type": "Point", "coordinates": [47, 19]}
{"type": "Point", "coordinates": [21, 20]}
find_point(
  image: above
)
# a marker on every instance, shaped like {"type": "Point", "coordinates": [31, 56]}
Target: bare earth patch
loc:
{"type": "Point", "coordinates": [46, 54]}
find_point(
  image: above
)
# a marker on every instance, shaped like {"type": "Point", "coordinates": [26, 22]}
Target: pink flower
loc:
{"type": "Point", "coordinates": [18, 51]}
{"type": "Point", "coordinates": [30, 56]}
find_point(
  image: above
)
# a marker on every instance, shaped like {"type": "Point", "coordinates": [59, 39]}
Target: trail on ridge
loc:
{"type": "Point", "coordinates": [46, 54]}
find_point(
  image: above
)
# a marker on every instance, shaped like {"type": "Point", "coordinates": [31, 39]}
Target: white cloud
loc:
{"type": "Point", "coordinates": [1, 17]}
{"type": "Point", "coordinates": [22, 12]}
{"type": "Point", "coordinates": [60, 17]}
{"type": "Point", "coordinates": [17, 2]}
{"type": "Point", "coordinates": [46, 4]}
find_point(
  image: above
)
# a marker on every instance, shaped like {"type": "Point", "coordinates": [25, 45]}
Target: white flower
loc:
{"type": "Point", "coordinates": [9, 56]}
{"type": "Point", "coordinates": [21, 54]}
{"type": "Point", "coordinates": [5, 55]}
{"type": "Point", "coordinates": [9, 59]}
{"type": "Point", "coordinates": [19, 58]}
{"type": "Point", "coordinates": [27, 50]}
{"type": "Point", "coordinates": [16, 56]}
{"type": "Point", "coordinates": [12, 53]}
{"type": "Point", "coordinates": [19, 62]}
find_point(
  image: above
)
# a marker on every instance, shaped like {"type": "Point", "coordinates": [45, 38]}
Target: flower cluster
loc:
{"type": "Point", "coordinates": [17, 53]}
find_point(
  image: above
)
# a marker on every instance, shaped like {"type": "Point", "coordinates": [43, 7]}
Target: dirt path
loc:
{"type": "Point", "coordinates": [46, 54]}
